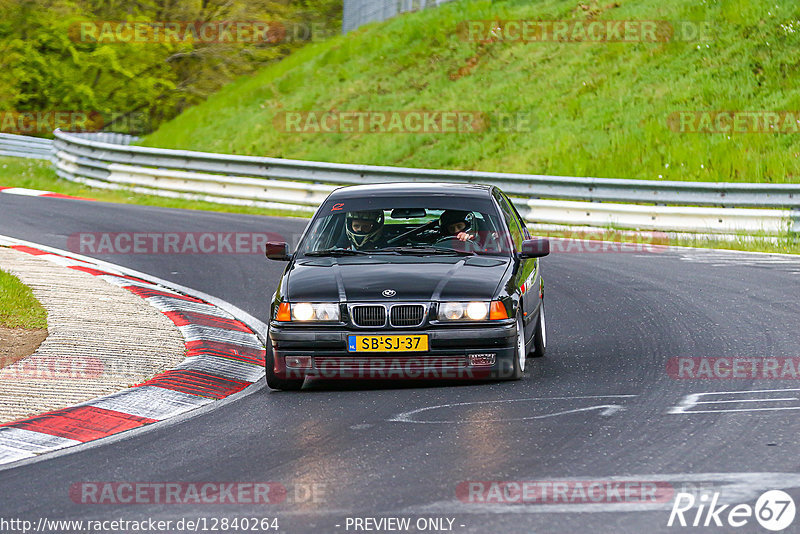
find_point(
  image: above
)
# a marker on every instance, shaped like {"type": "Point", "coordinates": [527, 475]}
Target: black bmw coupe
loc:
{"type": "Point", "coordinates": [408, 280]}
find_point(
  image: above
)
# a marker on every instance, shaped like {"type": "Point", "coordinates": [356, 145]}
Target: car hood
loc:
{"type": "Point", "coordinates": [357, 279]}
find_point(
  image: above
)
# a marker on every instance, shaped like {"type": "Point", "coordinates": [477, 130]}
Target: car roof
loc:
{"type": "Point", "coordinates": [413, 188]}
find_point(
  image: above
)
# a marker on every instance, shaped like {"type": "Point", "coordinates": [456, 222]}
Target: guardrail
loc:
{"type": "Point", "coordinates": [301, 186]}
{"type": "Point", "coordinates": [22, 146]}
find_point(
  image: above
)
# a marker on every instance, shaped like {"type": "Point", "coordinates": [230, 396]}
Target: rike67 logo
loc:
{"type": "Point", "coordinates": [774, 510]}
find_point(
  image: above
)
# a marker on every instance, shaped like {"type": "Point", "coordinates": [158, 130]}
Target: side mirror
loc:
{"type": "Point", "coordinates": [278, 251]}
{"type": "Point", "coordinates": [535, 248]}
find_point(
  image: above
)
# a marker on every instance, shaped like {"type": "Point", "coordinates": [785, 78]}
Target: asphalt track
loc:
{"type": "Point", "coordinates": [600, 407]}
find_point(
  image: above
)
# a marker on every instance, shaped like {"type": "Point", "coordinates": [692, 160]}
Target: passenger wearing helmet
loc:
{"type": "Point", "coordinates": [364, 229]}
{"type": "Point", "coordinates": [454, 223]}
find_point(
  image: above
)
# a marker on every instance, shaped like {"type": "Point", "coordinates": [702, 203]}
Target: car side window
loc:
{"type": "Point", "coordinates": [326, 233]}
{"type": "Point", "coordinates": [511, 220]}
{"type": "Point", "coordinates": [525, 233]}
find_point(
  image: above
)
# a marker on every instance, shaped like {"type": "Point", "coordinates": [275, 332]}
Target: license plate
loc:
{"type": "Point", "coordinates": [410, 343]}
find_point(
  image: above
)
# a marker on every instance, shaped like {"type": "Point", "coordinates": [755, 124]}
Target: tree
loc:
{"type": "Point", "coordinates": [50, 63]}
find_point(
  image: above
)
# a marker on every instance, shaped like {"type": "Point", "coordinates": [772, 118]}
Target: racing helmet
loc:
{"type": "Point", "coordinates": [449, 217]}
{"type": "Point", "coordinates": [361, 237]}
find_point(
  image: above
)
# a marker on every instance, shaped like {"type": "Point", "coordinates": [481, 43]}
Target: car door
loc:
{"type": "Point", "coordinates": [525, 279]}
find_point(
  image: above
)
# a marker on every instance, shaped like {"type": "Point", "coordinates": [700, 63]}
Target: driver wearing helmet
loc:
{"type": "Point", "coordinates": [454, 223]}
{"type": "Point", "coordinates": [364, 229]}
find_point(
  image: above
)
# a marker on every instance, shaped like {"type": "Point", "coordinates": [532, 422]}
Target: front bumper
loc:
{"type": "Point", "coordinates": [448, 357]}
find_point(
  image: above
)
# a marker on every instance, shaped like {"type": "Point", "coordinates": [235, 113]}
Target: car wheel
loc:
{"type": "Point", "coordinates": [540, 336]}
{"type": "Point", "coordinates": [520, 351]}
{"type": "Point", "coordinates": [273, 380]}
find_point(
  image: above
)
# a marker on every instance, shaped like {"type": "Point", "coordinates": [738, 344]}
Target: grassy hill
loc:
{"type": "Point", "coordinates": [598, 108]}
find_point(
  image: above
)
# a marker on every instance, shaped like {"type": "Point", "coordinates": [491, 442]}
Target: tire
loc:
{"type": "Point", "coordinates": [540, 335]}
{"type": "Point", "coordinates": [273, 380]}
{"type": "Point", "coordinates": [520, 352]}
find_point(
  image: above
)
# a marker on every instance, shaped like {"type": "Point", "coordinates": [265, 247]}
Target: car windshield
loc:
{"type": "Point", "coordinates": [403, 226]}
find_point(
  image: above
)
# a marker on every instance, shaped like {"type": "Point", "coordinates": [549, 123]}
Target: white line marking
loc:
{"type": "Point", "coordinates": [744, 410]}
{"type": "Point", "coordinates": [608, 409]}
{"type": "Point", "coordinates": [748, 391]}
{"type": "Point", "coordinates": [689, 401]}
{"type": "Point", "coordinates": [747, 400]}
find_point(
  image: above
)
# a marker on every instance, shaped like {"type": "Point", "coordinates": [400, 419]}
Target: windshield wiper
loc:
{"type": "Point", "coordinates": [336, 252]}
{"type": "Point", "coordinates": [427, 249]}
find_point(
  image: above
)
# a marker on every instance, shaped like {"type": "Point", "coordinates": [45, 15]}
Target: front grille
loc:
{"type": "Point", "coordinates": [407, 315]}
{"type": "Point", "coordinates": [369, 315]}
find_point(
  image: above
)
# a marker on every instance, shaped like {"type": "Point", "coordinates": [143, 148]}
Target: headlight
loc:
{"type": "Point", "coordinates": [463, 311]}
{"type": "Point", "coordinates": [451, 311]}
{"type": "Point", "coordinates": [477, 311]}
{"type": "Point", "coordinates": [308, 311]}
{"type": "Point", "coordinates": [326, 312]}
{"type": "Point", "coordinates": [303, 312]}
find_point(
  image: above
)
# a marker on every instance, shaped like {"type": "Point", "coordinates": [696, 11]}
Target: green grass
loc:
{"type": "Point", "coordinates": [39, 174]}
{"type": "Point", "coordinates": [18, 307]}
{"type": "Point", "coordinates": [600, 109]}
